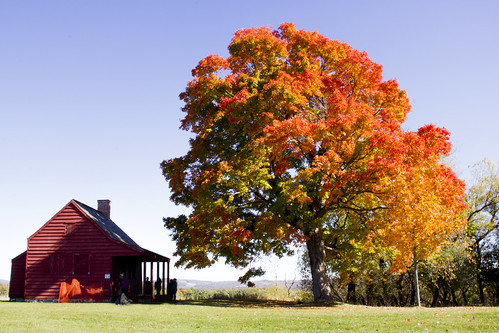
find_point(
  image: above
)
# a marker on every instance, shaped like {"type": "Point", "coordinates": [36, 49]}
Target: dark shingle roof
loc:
{"type": "Point", "coordinates": [107, 225]}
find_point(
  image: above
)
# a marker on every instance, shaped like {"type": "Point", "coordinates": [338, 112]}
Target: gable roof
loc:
{"type": "Point", "coordinates": [115, 232]}
{"type": "Point", "coordinates": [107, 225]}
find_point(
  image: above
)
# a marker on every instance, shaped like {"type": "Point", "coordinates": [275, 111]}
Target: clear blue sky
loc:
{"type": "Point", "coordinates": [89, 95]}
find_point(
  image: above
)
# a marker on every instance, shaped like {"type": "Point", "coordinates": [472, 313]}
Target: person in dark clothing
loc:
{"type": "Point", "coordinates": [148, 287]}
{"type": "Point", "coordinates": [124, 285]}
{"type": "Point", "coordinates": [173, 290]}
{"type": "Point", "coordinates": [158, 286]}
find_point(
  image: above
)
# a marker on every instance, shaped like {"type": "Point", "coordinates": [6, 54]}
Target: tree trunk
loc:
{"type": "Point", "coordinates": [385, 289]}
{"type": "Point", "coordinates": [416, 281]}
{"type": "Point", "coordinates": [401, 298]}
{"type": "Point", "coordinates": [453, 297]}
{"type": "Point", "coordinates": [351, 296]}
{"type": "Point", "coordinates": [445, 297]}
{"type": "Point", "coordinates": [436, 293]}
{"type": "Point", "coordinates": [413, 292]}
{"type": "Point", "coordinates": [317, 256]}
{"type": "Point", "coordinates": [465, 298]}
{"type": "Point", "coordinates": [479, 277]}
{"type": "Point", "coordinates": [370, 294]}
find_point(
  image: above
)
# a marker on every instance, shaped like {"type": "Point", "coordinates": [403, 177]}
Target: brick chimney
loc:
{"type": "Point", "coordinates": [104, 206]}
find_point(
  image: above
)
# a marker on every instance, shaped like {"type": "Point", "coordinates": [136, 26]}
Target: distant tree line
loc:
{"type": "Point", "coordinates": [465, 271]}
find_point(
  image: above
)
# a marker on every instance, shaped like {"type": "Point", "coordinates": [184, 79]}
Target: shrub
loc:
{"type": "Point", "coordinates": [246, 294]}
{"type": "Point", "coordinates": [4, 289]}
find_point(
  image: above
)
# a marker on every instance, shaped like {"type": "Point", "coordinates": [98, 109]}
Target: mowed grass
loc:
{"type": "Point", "coordinates": [225, 316]}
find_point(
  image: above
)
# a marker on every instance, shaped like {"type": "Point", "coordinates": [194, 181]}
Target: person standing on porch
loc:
{"type": "Point", "coordinates": [124, 285]}
{"type": "Point", "coordinates": [157, 286]}
{"type": "Point", "coordinates": [148, 287]}
{"type": "Point", "coordinates": [173, 289]}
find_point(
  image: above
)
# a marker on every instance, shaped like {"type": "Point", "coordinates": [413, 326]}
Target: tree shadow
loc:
{"type": "Point", "coordinates": [256, 303]}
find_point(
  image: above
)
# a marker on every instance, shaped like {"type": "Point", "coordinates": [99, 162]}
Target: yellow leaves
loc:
{"type": "Point", "coordinates": [294, 191]}
{"type": "Point", "coordinates": [425, 212]}
{"type": "Point", "coordinates": [256, 49]}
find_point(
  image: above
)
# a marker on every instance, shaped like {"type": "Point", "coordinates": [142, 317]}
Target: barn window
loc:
{"type": "Point", "coordinates": [55, 263]}
{"type": "Point", "coordinates": [50, 268]}
{"type": "Point", "coordinates": [81, 264]}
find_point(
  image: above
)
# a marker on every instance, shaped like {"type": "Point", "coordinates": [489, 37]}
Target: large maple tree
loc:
{"type": "Point", "coordinates": [290, 132]}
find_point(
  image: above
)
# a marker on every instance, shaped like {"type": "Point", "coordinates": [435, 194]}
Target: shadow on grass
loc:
{"type": "Point", "coordinates": [257, 304]}
{"type": "Point", "coordinates": [228, 303]}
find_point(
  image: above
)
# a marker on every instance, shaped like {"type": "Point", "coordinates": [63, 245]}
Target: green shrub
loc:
{"type": "Point", "coordinates": [193, 294]}
{"type": "Point", "coordinates": [4, 289]}
{"type": "Point", "coordinates": [246, 294]}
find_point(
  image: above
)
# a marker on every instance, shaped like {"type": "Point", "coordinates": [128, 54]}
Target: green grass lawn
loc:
{"type": "Point", "coordinates": [225, 316]}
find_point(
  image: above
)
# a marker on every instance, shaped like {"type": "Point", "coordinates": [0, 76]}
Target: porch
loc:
{"type": "Point", "coordinates": [148, 274]}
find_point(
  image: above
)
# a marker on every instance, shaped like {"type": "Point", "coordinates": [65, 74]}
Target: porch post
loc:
{"type": "Point", "coordinates": [157, 277]}
{"type": "Point", "coordinates": [144, 276]}
{"type": "Point", "coordinates": [168, 280]}
{"type": "Point", "coordinates": [152, 276]}
{"type": "Point", "coordinates": [163, 282]}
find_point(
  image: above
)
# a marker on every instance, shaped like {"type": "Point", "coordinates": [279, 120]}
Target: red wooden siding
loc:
{"type": "Point", "coordinates": [71, 246]}
{"type": "Point", "coordinates": [18, 272]}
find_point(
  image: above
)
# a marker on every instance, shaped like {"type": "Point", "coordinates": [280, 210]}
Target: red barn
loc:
{"type": "Point", "coordinates": [83, 243]}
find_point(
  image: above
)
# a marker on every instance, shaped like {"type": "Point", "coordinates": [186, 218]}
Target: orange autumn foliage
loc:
{"type": "Point", "coordinates": [429, 203]}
